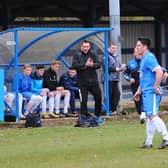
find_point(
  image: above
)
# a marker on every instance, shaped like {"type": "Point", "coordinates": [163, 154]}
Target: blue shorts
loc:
{"type": "Point", "coordinates": [151, 102]}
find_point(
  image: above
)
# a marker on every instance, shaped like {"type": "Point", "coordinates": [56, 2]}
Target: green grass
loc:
{"type": "Point", "coordinates": [113, 145]}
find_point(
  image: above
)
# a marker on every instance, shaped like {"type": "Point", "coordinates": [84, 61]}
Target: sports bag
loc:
{"type": "Point", "coordinates": [87, 120]}
{"type": "Point", "coordinates": [33, 120]}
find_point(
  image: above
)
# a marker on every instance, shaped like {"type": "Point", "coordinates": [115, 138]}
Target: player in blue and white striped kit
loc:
{"type": "Point", "coordinates": [150, 79]}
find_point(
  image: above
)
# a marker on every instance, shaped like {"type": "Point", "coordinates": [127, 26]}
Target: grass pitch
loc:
{"type": "Point", "coordinates": [112, 145]}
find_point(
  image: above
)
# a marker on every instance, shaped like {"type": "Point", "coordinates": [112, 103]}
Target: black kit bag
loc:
{"type": "Point", "coordinates": [10, 118]}
{"type": "Point", "coordinates": [89, 120]}
{"type": "Point", "coordinates": [33, 120]}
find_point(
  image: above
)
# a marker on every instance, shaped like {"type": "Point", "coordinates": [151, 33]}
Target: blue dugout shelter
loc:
{"type": "Point", "coordinates": [41, 45]}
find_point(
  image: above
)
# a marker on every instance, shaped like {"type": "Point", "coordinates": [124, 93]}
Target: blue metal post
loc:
{"type": "Point", "coordinates": [106, 72]}
{"type": "Point", "coordinates": [16, 72]}
{"type": "Point", "coordinates": [1, 95]}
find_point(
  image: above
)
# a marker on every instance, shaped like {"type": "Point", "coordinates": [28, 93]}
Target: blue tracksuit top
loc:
{"type": "Point", "coordinates": [24, 83]}
{"type": "Point", "coordinates": [132, 71]}
{"type": "Point", "coordinates": [36, 83]}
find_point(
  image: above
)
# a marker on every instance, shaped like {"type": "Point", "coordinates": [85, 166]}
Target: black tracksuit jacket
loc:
{"type": "Point", "coordinates": [86, 75]}
{"type": "Point", "coordinates": [50, 79]}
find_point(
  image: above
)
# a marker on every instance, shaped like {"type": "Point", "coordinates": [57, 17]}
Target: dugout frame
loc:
{"type": "Point", "coordinates": [18, 51]}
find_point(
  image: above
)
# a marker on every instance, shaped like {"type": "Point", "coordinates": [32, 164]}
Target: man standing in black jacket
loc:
{"type": "Point", "coordinates": [86, 63]}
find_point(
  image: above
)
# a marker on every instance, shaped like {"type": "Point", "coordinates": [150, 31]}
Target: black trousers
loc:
{"type": "Point", "coordinates": [138, 104]}
{"type": "Point", "coordinates": [114, 95]}
{"type": "Point", "coordinates": [96, 92]}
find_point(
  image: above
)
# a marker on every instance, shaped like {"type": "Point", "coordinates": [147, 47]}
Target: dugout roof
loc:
{"type": "Point", "coordinates": [36, 45]}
